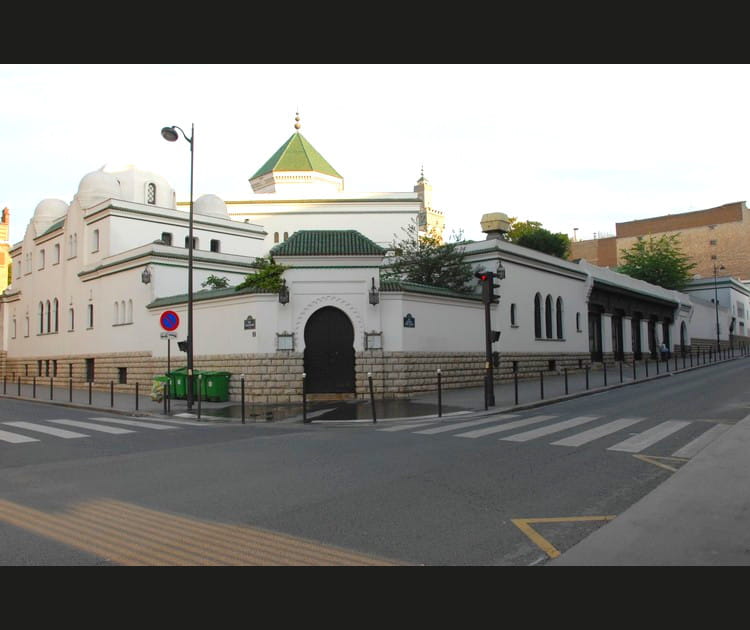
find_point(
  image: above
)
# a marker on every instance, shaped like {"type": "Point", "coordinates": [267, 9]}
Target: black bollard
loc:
{"type": "Point", "coordinates": [566, 381]}
{"type": "Point", "coordinates": [242, 396]}
{"type": "Point", "coordinates": [136, 395]}
{"type": "Point", "coordinates": [541, 385]}
{"type": "Point", "coordinates": [372, 397]}
{"type": "Point", "coordinates": [515, 386]}
{"type": "Point", "coordinates": [440, 393]}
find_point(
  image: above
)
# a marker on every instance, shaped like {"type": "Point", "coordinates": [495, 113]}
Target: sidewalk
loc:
{"type": "Point", "coordinates": [699, 516]}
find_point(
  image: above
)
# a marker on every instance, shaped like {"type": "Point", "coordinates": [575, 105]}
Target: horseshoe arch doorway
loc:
{"type": "Point", "coordinates": [329, 352]}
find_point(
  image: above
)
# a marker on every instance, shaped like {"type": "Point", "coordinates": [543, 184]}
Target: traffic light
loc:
{"type": "Point", "coordinates": [487, 282]}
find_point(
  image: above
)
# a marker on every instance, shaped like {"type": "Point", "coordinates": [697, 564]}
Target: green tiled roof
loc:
{"type": "Point", "coordinates": [296, 154]}
{"type": "Point", "coordinates": [327, 243]}
{"type": "Point", "coordinates": [414, 287]}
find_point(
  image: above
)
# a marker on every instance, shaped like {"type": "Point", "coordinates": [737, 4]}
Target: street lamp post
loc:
{"type": "Point", "coordinates": [169, 133]}
{"type": "Point", "coordinates": [716, 306]}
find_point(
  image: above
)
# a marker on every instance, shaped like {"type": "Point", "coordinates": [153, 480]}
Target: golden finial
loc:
{"type": "Point", "coordinates": [296, 124]}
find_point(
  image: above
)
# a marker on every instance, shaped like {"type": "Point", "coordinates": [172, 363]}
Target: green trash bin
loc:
{"type": "Point", "coordinates": [215, 386]}
{"type": "Point", "coordinates": [178, 383]}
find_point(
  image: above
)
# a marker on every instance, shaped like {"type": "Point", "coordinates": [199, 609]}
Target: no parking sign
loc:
{"type": "Point", "coordinates": [169, 320]}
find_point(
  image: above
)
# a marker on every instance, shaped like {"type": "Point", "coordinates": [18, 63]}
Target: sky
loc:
{"type": "Point", "coordinates": [577, 148]}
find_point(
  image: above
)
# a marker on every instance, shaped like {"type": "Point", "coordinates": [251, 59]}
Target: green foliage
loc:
{"type": "Point", "coordinates": [426, 259]}
{"type": "Point", "coordinates": [658, 261]}
{"type": "Point", "coordinates": [216, 282]}
{"type": "Point", "coordinates": [531, 234]}
{"type": "Point", "coordinates": [268, 276]}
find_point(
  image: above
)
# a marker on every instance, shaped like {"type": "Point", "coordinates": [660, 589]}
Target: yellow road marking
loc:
{"type": "Point", "coordinates": [524, 525]}
{"type": "Point", "coordinates": [131, 535]}
{"type": "Point", "coordinates": [652, 459]}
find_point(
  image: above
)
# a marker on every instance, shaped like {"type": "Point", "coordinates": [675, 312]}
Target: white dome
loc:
{"type": "Point", "coordinates": [97, 187]}
{"type": "Point", "coordinates": [46, 213]}
{"type": "Point", "coordinates": [211, 206]}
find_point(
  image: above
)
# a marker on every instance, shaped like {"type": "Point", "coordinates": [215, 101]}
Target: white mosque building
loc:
{"type": "Point", "coordinates": [93, 278]}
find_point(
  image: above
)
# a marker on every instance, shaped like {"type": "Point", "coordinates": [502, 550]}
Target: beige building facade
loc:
{"type": "Point", "coordinates": [712, 237]}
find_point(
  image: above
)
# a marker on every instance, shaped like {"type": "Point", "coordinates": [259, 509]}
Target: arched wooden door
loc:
{"type": "Point", "coordinates": [329, 352]}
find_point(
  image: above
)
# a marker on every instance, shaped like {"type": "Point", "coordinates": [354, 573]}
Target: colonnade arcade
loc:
{"type": "Point", "coordinates": [624, 326]}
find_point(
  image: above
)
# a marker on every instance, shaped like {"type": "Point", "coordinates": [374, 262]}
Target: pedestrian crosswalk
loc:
{"type": "Point", "coordinates": [22, 431]}
{"type": "Point", "coordinates": [636, 433]}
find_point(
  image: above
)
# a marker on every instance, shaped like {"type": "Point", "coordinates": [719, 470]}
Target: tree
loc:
{"type": "Point", "coordinates": [659, 261]}
{"type": "Point", "coordinates": [268, 276]}
{"type": "Point", "coordinates": [531, 234]}
{"type": "Point", "coordinates": [426, 259]}
{"type": "Point", "coordinates": [216, 282]}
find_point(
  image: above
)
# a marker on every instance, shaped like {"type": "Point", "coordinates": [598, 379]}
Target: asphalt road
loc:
{"type": "Point", "coordinates": [488, 491]}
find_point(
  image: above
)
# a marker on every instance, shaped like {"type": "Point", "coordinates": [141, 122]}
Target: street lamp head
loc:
{"type": "Point", "coordinates": [169, 133]}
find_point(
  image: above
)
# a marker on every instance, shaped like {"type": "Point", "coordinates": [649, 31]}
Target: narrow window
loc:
{"type": "Point", "coordinates": [72, 319]}
{"type": "Point", "coordinates": [122, 375]}
{"type": "Point", "coordinates": [195, 242]}
{"type": "Point", "coordinates": [151, 193]}
{"type": "Point", "coordinates": [513, 315]}
{"type": "Point", "coordinates": [95, 241]}
{"type": "Point", "coordinates": [13, 329]}
{"type": "Point", "coordinates": [49, 317]}
{"type": "Point", "coordinates": [56, 254]}
{"type": "Point", "coordinates": [116, 314]}
{"type": "Point", "coordinates": [40, 312]}
{"type": "Point", "coordinates": [275, 237]}
{"type": "Point", "coordinates": [548, 316]}
{"type": "Point", "coordinates": [559, 318]}
{"type": "Point", "coordinates": [55, 314]}
{"type": "Point", "coordinates": [286, 235]}
{"type": "Point", "coordinates": [39, 367]}
{"type": "Point", "coordinates": [54, 367]}
{"type": "Point", "coordinates": [166, 238]}
{"type": "Point", "coordinates": [41, 259]}
{"type": "Point", "coordinates": [538, 316]}
{"type": "Point", "coordinates": [129, 317]}
{"type": "Point", "coordinates": [90, 370]}
{"type": "Point", "coordinates": [215, 245]}
{"type": "Point", "coordinates": [578, 322]}
{"type": "Point", "coordinates": [90, 322]}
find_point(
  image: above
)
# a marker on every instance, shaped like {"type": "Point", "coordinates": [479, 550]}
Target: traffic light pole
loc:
{"type": "Point", "coordinates": [489, 381]}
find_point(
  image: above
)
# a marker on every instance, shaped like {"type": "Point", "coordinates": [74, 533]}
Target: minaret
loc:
{"type": "Point", "coordinates": [428, 216]}
{"type": "Point", "coordinates": [4, 247]}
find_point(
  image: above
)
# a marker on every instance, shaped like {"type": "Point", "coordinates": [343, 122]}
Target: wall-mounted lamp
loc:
{"type": "Point", "coordinates": [500, 273]}
{"type": "Point", "coordinates": [146, 275]}
{"type": "Point", "coordinates": [374, 295]}
{"type": "Point", "coordinates": [284, 293]}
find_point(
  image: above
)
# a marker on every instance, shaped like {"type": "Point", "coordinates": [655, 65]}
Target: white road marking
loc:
{"type": "Point", "coordinates": [691, 448]}
{"type": "Point", "coordinates": [92, 427]}
{"type": "Point", "coordinates": [134, 423]}
{"type": "Point", "coordinates": [15, 438]}
{"type": "Point", "coordinates": [598, 432]}
{"type": "Point", "coordinates": [504, 427]}
{"type": "Point", "coordinates": [41, 428]}
{"type": "Point", "coordinates": [643, 440]}
{"type": "Point", "coordinates": [552, 428]}
{"type": "Point", "coordinates": [461, 425]}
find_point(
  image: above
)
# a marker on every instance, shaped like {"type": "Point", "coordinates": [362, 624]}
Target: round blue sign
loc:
{"type": "Point", "coordinates": [169, 320]}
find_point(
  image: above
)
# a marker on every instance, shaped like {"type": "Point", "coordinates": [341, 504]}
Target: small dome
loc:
{"type": "Point", "coordinates": [97, 187]}
{"type": "Point", "coordinates": [211, 206]}
{"type": "Point", "coordinates": [46, 213]}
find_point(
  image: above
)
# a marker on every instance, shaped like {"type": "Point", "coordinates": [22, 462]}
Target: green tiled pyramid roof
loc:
{"type": "Point", "coordinates": [327, 243]}
{"type": "Point", "coordinates": [296, 154]}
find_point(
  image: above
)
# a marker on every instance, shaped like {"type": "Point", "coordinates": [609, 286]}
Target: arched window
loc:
{"type": "Point", "coordinates": [49, 317]}
{"type": "Point", "coordinates": [559, 318]}
{"type": "Point", "coordinates": [56, 254]}
{"type": "Point", "coordinates": [116, 313]}
{"type": "Point", "coordinates": [40, 312]}
{"type": "Point", "coordinates": [130, 312]}
{"type": "Point", "coordinates": [548, 316]}
{"type": "Point", "coordinates": [286, 235]}
{"type": "Point", "coordinates": [151, 193]}
{"type": "Point", "coordinates": [95, 241]}
{"type": "Point", "coordinates": [123, 314]}
{"type": "Point", "coordinates": [275, 237]}
{"type": "Point", "coordinates": [71, 318]}
{"type": "Point", "coordinates": [538, 316]}
{"type": "Point", "coordinates": [56, 314]}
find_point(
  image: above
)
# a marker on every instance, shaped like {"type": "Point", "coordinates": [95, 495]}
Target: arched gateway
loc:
{"type": "Point", "coordinates": [329, 352]}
